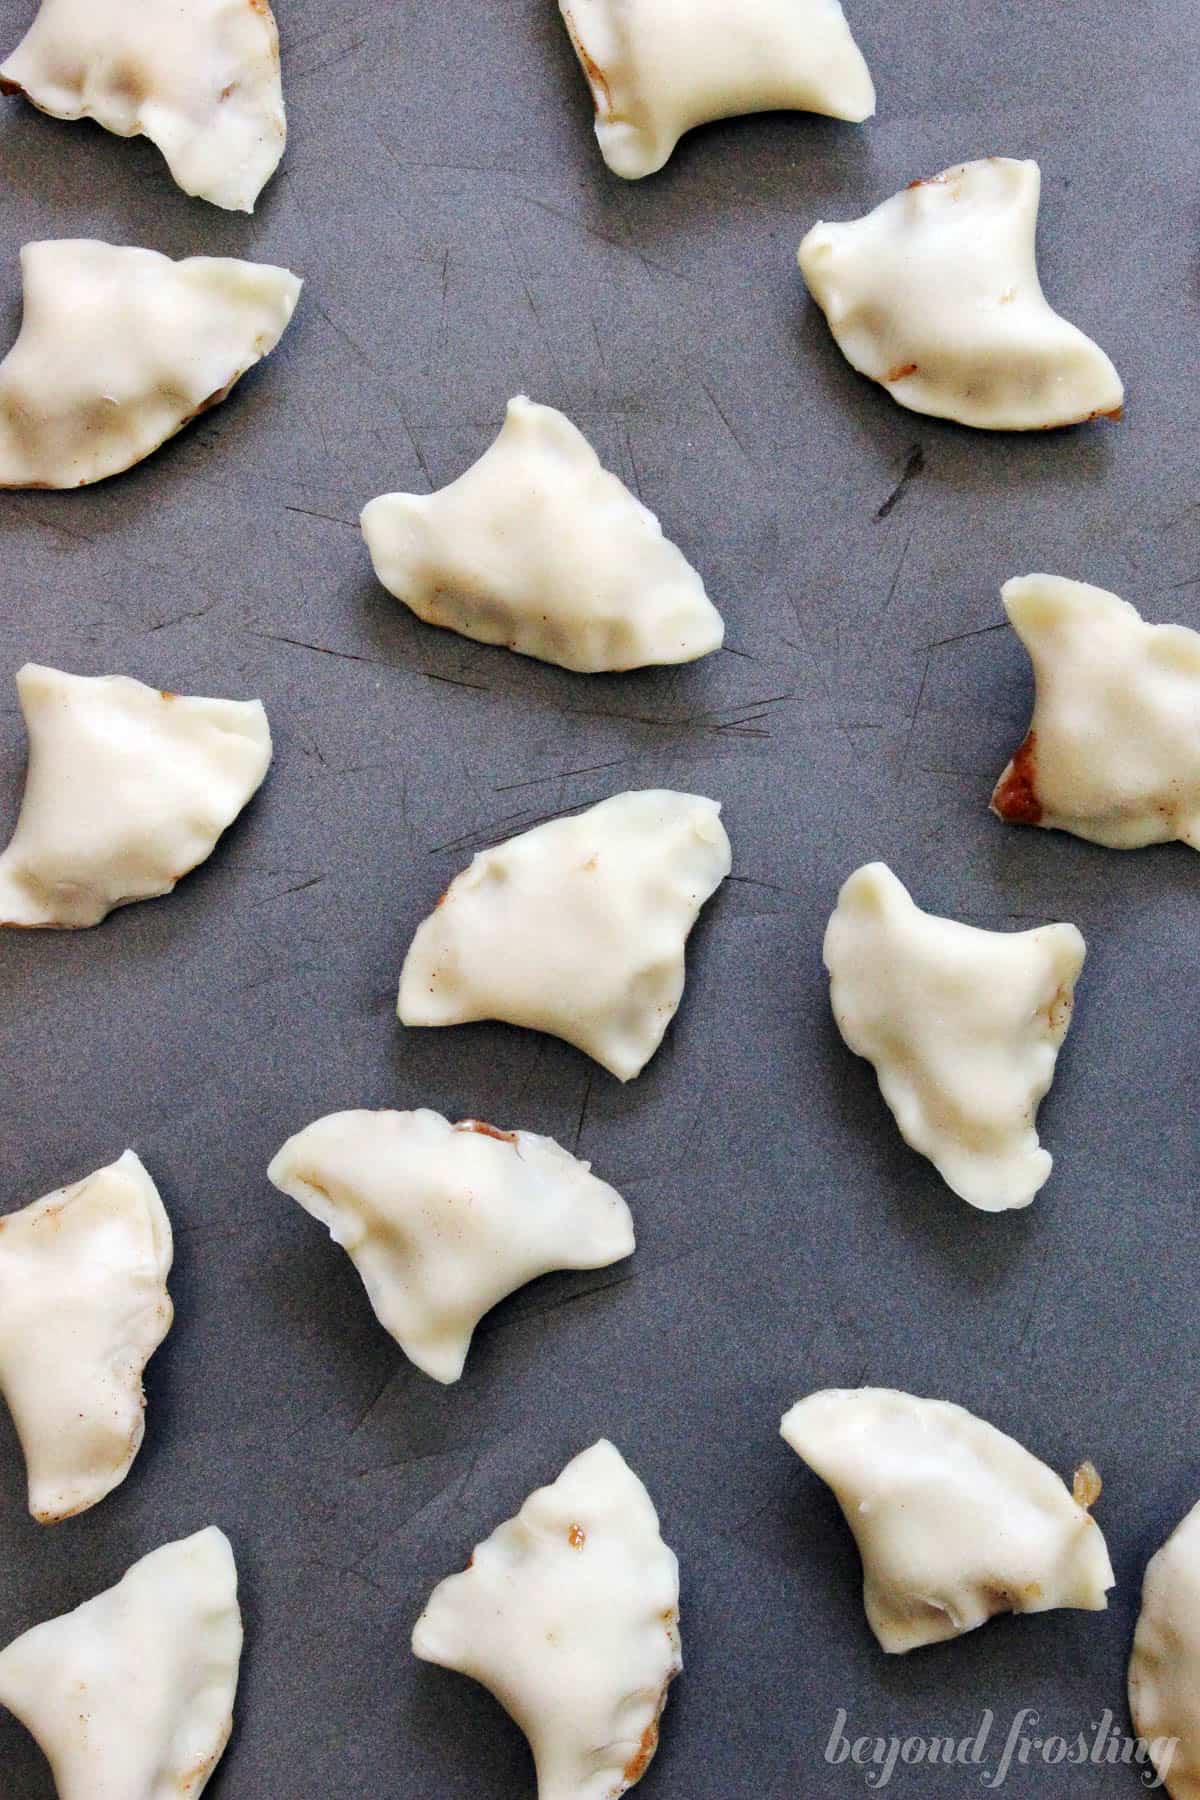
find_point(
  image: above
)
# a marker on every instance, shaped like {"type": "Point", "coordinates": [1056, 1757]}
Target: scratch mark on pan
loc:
{"type": "Point", "coordinates": [443, 331]}
{"type": "Point", "coordinates": [69, 531]}
{"type": "Point", "coordinates": [431, 168]}
{"type": "Point", "coordinates": [347, 337]}
{"type": "Point", "coordinates": [599, 346]}
{"type": "Point", "coordinates": [296, 43]}
{"type": "Point", "coordinates": [891, 593]}
{"type": "Point", "coordinates": [633, 464]}
{"type": "Point", "coordinates": [548, 337]}
{"type": "Point", "coordinates": [339, 1569]}
{"type": "Point", "coordinates": [353, 345]}
{"type": "Point", "coordinates": [274, 977]}
{"type": "Point", "coordinates": [330, 518]}
{"type": "Point", "coordinates": [589, 1293]}
{"type": "Point", "coordinates": [818, 670]}
{"type": "Point", "coordinates": [490, 834]}
{"type": "Point", "coordinates": [309, 745]}
{"type": "Point", "coordinates": [1027, 1327]}
{"type": "Point", "coordinates": [743, 718]}
{"type": "Point", "coordinates": [912, 468]}
{"type": "Point", "coordinates": [725, 419]}
{"type": "Point", "coordinates": [1173, 587]}
{"type": "Point", "coordinates": [375, 662]}
{"type": "Point", "coordinates": [587, 1095]}
{"type": "Point", "coordinates": [373, 1402]}
{"type": "Point", "coordinates": [912, 724]}
{"type": "Point", "coordinates": [534, 1064]}
{"type": "Point", "coordinates": [772, 886]}
{"type": "Point", "coordinates": [276, 637]}
{"type": "Point", "coordinates": [960, 637]}
{"type": "Point", "coordinates": [460, 681]}
{"type": "Point", "coordinates": [300, 887]}
{"type": "Point", "coordinates": [469, 1477]}
{"type": "Point", "coordinates": [417, 451]}
{"type": "Point", "coordinates": [325, 63]}
{"type": "Point", "coordinates": [625, 245]}
{"type": "Point", "coordinates": [510, 787]}
{"type": "Point", "coordinates": [179, 618]}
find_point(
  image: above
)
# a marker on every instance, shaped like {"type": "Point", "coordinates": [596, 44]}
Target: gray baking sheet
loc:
{"type": "Point", "coordinates": [462, 241]}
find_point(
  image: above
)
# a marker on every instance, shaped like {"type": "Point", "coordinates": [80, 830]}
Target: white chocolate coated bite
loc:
{"type": "Point", "coordinates": [83, 1308]}
{"type": "Point", "coordinates": [955, 1522]}
{"type": "Point", "coordinates": [576, 928]}
{"type": "Point", "coordinates": [1113, 749]}
{"type": "Point", "coordinates": [199, 78]}
{"type": "Point", "coordinates": [936, 296]}
{"type": "Point", "coordinates": [131, 1695]}
{"type": "Point", "coordinates": [569, 1614]}
{"type": "Point", "coordinates": [442, 1221]}
{"type": "Point", "coordinates": [128, 788]}
{"type": "Point", "coordinates": [963, 1027]}
{"type": "Point", "coordinates": [540, 549]}
{"type": "Point", "coordinates": [1164, 1669]}
{"type": "Point", "coordinates": [119, 348]}
{"type": "Point", "coordinates": [657, 68]}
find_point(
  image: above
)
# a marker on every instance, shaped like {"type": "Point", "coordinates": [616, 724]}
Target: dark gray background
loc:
{"type": "Point", "coordinates": [462, 241]}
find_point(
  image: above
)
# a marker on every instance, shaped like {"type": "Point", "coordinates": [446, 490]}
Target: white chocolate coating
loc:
{"type": "Point", "coordinates": [569, 1614]}
{"type": "Point", "coordinates": [540, 549]}
{"type": "Point", "coordinates": [131, 1695]}
{"type": "Point", "coordinates": [199, 78]}
{"type": "Point", "coordinates": [127, 789]}
{"type": "Point", "coordinates": [119, 348]}
{"type": "Point", "coordinates": [657, 68]}
{"type": "Point", "coordinates": [83, 1308]}
{"type": "Point", "coordinates": [963, 1026]}
{"type": "Point", "coordinates": [1164, 1669]}
{"type": "Point", "coordinates": [577, 928]}
{"type": "Point", "coordinates": [936, 296]}
{"type": "Point", "coordinates": [442, 1221]}
{"type": "Point", "coordinates": [1113, 750]}
{"type": "Point", "coordinates": [954, 1520]}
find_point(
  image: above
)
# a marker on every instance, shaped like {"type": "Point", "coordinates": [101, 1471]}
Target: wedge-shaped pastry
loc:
{"type": "Point", "coordinates": [963, 1026]}
{"type": "Point", "coordinates": [1113, 751]}
{"type": "Point", "coordinates": [127, 789]}
{"type": "Point", "coordinates": [442, 1221]}
{"type": "Point", "coordinates": [83, 1308]}
{"type": "Point", "coordinates": [131, 1695]}
{"type": "Point", "coordinates": [657, 68]}
{"type": "Point", "coordinates": [119, 348]}
{"type": "Point", "coordinates": [539, 548]}
{"type": "Point", "coordinates": [576, 928]}
{"type": "Point", "coordinates": [936, 296]}
{"type": "Point", "coordinates": [199, 78]}
{"type": "Point", "coordinates": [569, 1614]}
{"type": "Point", "coordinates": [1164, 1670]}
{"type": "Point", "coordinates": [954, 1521]}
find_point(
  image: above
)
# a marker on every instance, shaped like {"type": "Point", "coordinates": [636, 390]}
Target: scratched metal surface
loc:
{"type": "Point", "coordinates": [462, 241]}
